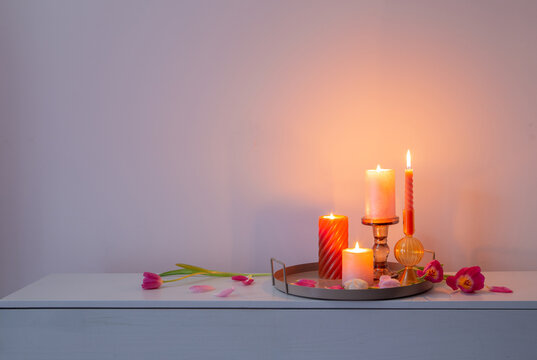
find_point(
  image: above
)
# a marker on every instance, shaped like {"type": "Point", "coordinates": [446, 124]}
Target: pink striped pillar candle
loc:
{"type": "Point", "coordinates": [333, 238]}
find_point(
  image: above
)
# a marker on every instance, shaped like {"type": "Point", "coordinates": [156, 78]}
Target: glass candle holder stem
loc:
{"type": "Point", "coordinates": [381, 250]}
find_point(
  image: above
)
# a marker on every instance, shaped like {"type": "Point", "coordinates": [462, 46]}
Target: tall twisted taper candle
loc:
{"type": "Point", "coordinates": [408, 250]}
{"type": "Point", "coordinates": [333, 238]}
{"type": "Point", "coordinates": [408, 210]}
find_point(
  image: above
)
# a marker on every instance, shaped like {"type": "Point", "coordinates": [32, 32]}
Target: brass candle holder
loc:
{"type": "Point", "coordinates": [381, 250]}
{"type": "Point", "coordinates": [408, 250]}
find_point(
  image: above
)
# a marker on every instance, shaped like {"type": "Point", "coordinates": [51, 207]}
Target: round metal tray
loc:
{"type": "Point", "coordinates": [282, 280]}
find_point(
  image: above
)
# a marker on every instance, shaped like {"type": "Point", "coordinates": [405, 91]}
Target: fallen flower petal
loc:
{"type": "Point", "coordinates": [500, 289]}
{"type": "Point", "coordinates": [305, 282]}
{"type": "Point", "coordinates": [336, 287]}
{"type": "Point", "coordinates": [384, 278]}
{"type": "Point", "coordinates": [226, 292]}
{"type": "Point", "coordinates": [433, 272]}
{"type": "Point", "coordinates": [200, 288]}
{"type": "Point", "coordinates": [391, 283]}
{"type": "Point", "coordinates": [451, 281]}
{"type": "Point", "coordinates": [387, 278]}
{"type": "Point", "coordinates": [151, 281]}
{"type": "Point", "coordinates": [239, 278]}
{"type": "Point", "coordinates": [248, 281]}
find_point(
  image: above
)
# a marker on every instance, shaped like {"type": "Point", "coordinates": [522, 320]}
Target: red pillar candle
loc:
{"type": "Point", "coordinates": [408, 210]}
{"type": "Point", "coordinates": [333, 238]}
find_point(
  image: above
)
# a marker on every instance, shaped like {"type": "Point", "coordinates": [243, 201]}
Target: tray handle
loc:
{"type": "Point", "coordinates": [272, 261]}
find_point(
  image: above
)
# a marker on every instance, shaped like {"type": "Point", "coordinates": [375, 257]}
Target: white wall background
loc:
{"type": "Point", "coordinates": [137, 134]}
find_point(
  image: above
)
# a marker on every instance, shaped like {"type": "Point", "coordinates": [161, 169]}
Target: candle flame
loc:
{"type": "Point", "coordinates": [331, 217]}
{"type": "Point", "coordinates": [357, 246]}
{"type": "Point", "coordinates": [378, 167]}
{"type": "Point", "coordinates": [408, 160]}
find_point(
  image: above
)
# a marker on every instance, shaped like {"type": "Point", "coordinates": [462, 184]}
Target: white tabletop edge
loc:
{"type": "Point", "coordinates": [122, 291]}
{"type": "Point", "coordinates": [323, 304]}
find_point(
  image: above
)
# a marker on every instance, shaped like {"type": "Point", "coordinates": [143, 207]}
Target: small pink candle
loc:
{"type": "Point", "coordinates": [358, 264]}
{"type": "Point", "coordinates": [380, 193]}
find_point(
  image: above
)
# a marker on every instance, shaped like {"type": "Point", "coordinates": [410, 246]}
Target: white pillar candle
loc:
{"type": "Point", "coordinates": [380, 193]}
{"type": "Point", "coordinates": [357, 264]}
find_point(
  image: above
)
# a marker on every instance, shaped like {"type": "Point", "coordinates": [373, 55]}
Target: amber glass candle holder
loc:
{"type": "Point", "coordinates": [408, 252]}
{"type": "Point", "coordinates": [381, 250]}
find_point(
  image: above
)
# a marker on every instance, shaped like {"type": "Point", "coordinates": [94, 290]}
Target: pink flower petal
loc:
{"type": "Point", "coordinates": [479, 281]}
{"type": "Point", "coordinates": [500, 289]}
{"type": "Point", "coordinates": [239, 278]}
{"type": "Point", "coordinates": [306, 282]}
{"type": "Point", "coordinates": [309, 281]}
{"type": "Point", "coordinates": [336, 287]}
{"type": "Point", "coordinates": [387, 279]}
{"type": "Point", "coordinates": [451, 282]}
{"type": "Point", "coordinates": [196, 289]}
{"type": "Point", "coordinates": [226, 292]}
{"type": "Point", "coordinates": [473, 270]}
{"type": "Point", "coordinates": [302, 284]}
{"type": "Point", "coordinates": [384, 278]}
{"type": "Point", "coordinates": [150, 284]}
{"type": "Point", "coordinates": [248, 281]}
{"type": "Point", "coordinates": [151, 275]}
{"type": "Point", "coordinates": [389, 284]}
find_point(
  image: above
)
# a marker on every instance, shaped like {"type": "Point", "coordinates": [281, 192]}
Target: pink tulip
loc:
{"type": "Point", "coordinates": [248, 281]}
{"type": "Point", "coordinates": [433, 272]}
{"type": "Point", "coordinates": [151, 281]}
{"type": "Point", "coordinates": [468, 280]}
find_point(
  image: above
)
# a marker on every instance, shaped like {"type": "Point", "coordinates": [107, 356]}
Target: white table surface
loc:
{"type": "Point", "coordinates": [124, 291]}
{"type": "Point", "coordinates": [109, 316]}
